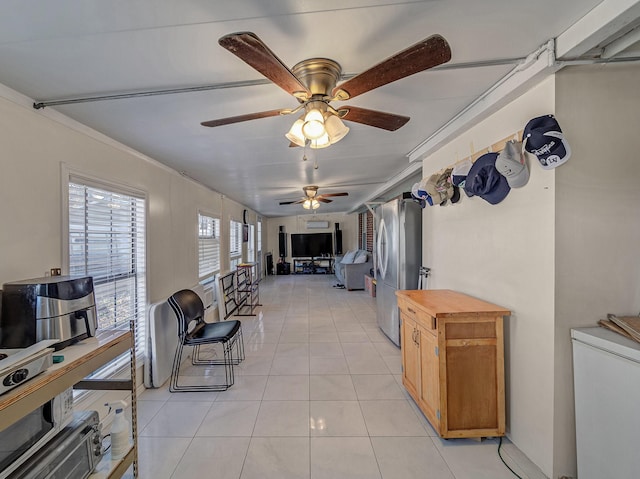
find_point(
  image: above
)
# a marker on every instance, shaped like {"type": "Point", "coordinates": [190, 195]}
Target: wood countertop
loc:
{"type": "Point", "coordinates": [80, 360]}
{"type": "Point", "coordinates": [441, 303]}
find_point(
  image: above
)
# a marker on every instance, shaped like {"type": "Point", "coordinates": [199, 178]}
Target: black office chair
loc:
{"type": "Point", "coordinates": [194, 331]}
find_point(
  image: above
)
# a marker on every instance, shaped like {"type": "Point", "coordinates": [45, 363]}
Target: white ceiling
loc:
{"type": "Point", "coordinates": [79, 48]}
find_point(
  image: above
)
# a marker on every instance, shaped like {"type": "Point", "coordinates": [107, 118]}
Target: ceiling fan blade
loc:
{"type": "Point", "coordinates": [323, 200]}
{"type": "Point", "coordinates": [379, 119]}
{"type": "Point", "coordinates": [292, 202]}
{"type": "Point", "coordinates": [325, 195]}
{"type": "Point", "coordinates": [250, 49]}
{"type": "Point", "coordinates": [237, 119]}
{"type": "Point", "coordinates": [428, 53]}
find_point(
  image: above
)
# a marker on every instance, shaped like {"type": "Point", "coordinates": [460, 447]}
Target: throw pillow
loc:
{"type": "Point", "coordinates": [349, 257]}
{"type": "Point", "coordinates": [360, 258]}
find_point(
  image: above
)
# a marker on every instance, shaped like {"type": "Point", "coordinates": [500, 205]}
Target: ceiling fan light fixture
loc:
{"type": "Point", "coordinates": [336, 129]}
{"type": "Point", "coordinates": [321, 142]}
{"type": "Point", "coordinates": [311, 204]}
{"type": "Point", "coordinates": [313, 127]}
{"type": "Point", "coordinates": [295, 134]}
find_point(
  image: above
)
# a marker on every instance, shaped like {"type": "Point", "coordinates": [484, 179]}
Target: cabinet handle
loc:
{"type": "Point", "coordinates": [417, 338]}
{"type": "Point", "coordinates": [411, 310]}
{"type": "Point", "coordinates": [413, 336]}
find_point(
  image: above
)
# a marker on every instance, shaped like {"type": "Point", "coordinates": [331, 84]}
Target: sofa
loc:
{"type": "Point", "coordinates": [351, 268]}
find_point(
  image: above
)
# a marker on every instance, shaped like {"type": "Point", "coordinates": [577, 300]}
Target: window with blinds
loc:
{"type": "Point", "coordinates": [259, 248]}
{"type": "Point", "coordinates": [208, 247]}
{"type": "Point", "coordinates": [235, 244]}
{"type": "Point", "coordinates": [107, 242]}
{"type": "Point", "coordinates": [259, 235]}
{"type": "Point", "coordinates": [251, 249]}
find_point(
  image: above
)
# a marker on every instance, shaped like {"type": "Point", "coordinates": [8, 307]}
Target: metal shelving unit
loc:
{"type": "Point", "coordinates": [80, 360]}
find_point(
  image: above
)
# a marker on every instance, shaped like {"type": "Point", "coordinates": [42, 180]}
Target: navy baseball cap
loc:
{"type": "Point", "coordinates": [485, 181]}
{"type": "Point", "coordinates": [543, 137]}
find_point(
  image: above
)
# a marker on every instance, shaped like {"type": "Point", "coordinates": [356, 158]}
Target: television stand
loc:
{"type": "Point", "coordinates": [313, 265]}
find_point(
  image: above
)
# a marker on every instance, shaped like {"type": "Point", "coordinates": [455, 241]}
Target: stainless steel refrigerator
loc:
{"type": "Point", "coordinates": [398, 257]}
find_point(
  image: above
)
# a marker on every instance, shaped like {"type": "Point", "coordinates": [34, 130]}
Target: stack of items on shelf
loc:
{"type": "Point", "coordinates": [492, 175]}
{"type": "Point", "coordinates": [628, 326]}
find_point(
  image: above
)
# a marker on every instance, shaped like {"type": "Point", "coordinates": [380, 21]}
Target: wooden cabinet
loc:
{"type": "Point", "coordinates": [453, 361]}
{"type": "Point", "coordinates": [410, 355]}
{"type": "Point", "coordinates": [80, 360]}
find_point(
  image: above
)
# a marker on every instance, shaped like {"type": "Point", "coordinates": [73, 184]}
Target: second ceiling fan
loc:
{"type": "Point", "coordinates": [313, 83]}
{"type": "Point", "coordinates": [311, 199]}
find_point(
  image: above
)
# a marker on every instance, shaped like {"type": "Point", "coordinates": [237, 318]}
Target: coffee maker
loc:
{"type": "Point", "coordinates": [54, 307]}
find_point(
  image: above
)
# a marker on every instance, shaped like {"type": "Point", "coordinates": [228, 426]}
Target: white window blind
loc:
{"type": "Point", "coordinates": [251, 251]}
{"type": "Point", "coordinates": [208, 247]}
{"type": "Point", "coordinates": [107, 242]}
{"type": "Point", "coordinates": [235, 243]}
{"type": "Point", "coordinates": [259, 248]}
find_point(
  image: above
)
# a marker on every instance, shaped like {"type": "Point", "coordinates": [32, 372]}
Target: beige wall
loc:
{"type": "Point", "coordinates": [597, 220]}
{"type": "Point", "coordinates": [35, 150]}
{"type": "Point", "coordinates": [505, 254]}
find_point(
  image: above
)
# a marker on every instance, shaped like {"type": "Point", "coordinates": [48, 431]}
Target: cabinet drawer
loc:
{"type": "Point", "coordinates": [470, 329]}
{"type": "Point", "coordinates": [428, 322]}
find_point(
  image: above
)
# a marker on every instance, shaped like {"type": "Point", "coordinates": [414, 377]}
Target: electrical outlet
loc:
{"type": "Point", "coordinates": [56, 271]}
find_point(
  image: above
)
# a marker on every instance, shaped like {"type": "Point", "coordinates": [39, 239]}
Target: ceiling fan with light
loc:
{"type": "Point", "coordinates": [313, 83]}
{"type": "Point", "coordinates": [311, 199]}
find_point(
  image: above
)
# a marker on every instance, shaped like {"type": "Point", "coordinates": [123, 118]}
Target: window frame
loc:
{"type": "Point", "coordinates": [209, 276]}
{"type": "Point", "coordinates": [70, 175]}
{"type": "Point", "coordinates": [235, 257]}
{"type": "Point", "coordinates": [251, 244]}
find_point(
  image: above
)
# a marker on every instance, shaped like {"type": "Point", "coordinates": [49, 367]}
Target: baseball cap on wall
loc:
{"type": "Point", "coordinates": [512, 165]}
{"type": "Point", "coordinates": [439, 186]}
{"type": "Point", "coordinates": [460, 172]}
{"type": "Point", "coordinates": [456, 195]}
{"type": "Point", "coordinates": [420, 195]}
{"type": "Point", "coordinates": [543, 137]}
{"type": "Point", "coordinates": [485, 181]}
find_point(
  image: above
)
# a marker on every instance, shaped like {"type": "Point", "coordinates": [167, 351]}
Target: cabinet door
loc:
{"type": "Point", "coordinates": [430, 376]}
{"type": "Point", "coordinates": [410, 356]}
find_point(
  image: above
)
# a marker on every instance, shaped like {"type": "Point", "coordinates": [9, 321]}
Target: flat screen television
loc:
{"type": "Point", "coordinates": [310, 245]}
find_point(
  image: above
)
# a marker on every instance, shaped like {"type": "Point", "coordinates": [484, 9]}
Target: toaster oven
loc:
{"type": "Point", "coordinates": [73, 453]}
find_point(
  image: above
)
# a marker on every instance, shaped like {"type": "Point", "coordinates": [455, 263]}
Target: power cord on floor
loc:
{"type": "Point", "coordinates": [507, 465]}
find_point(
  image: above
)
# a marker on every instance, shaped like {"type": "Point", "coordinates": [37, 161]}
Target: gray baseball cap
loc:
{"type": "Point", "coordinates": [512, 165]}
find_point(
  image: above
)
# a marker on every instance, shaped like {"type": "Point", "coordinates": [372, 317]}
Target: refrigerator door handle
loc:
{"type": "Point", "coordinates": [382, 249]}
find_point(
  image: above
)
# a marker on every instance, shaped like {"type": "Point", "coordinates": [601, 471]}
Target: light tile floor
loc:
{"type": "Point", "coordinates": [318, 396]}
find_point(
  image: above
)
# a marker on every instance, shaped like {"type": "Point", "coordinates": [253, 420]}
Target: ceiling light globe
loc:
{"type": "Point", "coordinates": [307, 204]}
{"type": "Point", "coordinates": [336, 129]}
{"type": "Point", "coordinates": [295, 134]}
{"type": "Point", "coordinates": [313, 127]}
{"type": "Point", "coordinates": [321, 142]}
{"type": "Point", "coordinates": [315, 204]}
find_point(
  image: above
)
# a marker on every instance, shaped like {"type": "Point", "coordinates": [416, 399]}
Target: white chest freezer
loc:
{"type": "Point", "coordinates": [606, 376]}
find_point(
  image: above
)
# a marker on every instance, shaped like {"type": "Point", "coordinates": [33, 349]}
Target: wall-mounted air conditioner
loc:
{"type": "Point", "coordinates": [314, 225]}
